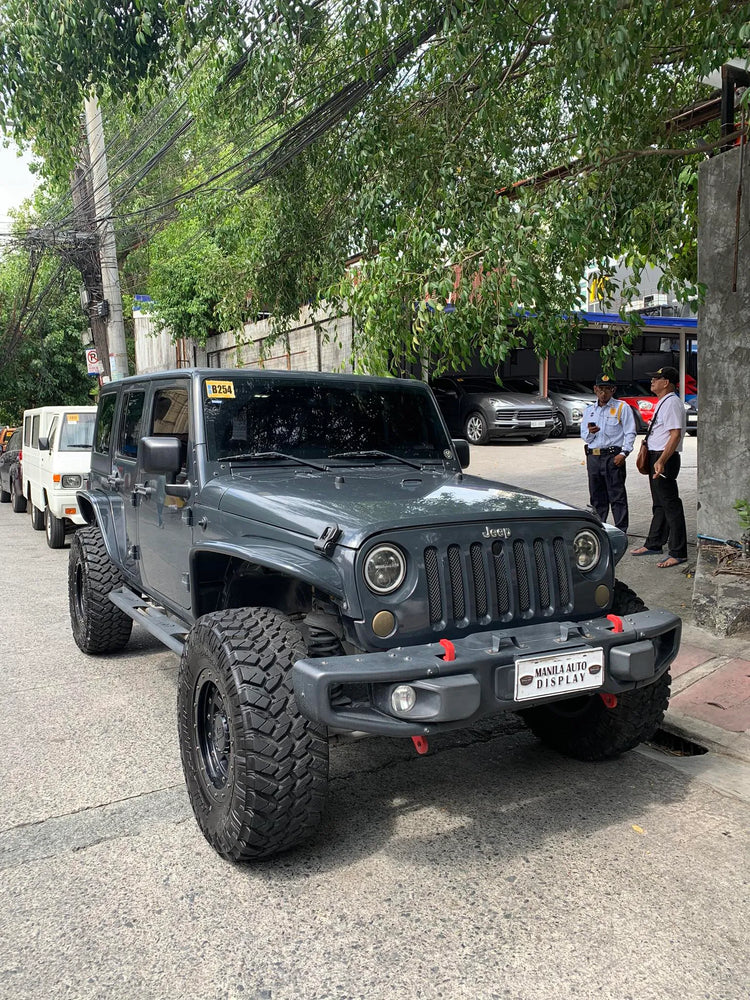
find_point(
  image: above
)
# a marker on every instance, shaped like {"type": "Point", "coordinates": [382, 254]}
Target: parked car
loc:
{"type": "Point", "coordinates": [11, 477]}
{"type": "Point", "coordinates": [480, 410]}
{"type": "Point", "coordinates": [570, 399]}
{"type": "Point", "coordinates": [57, 455]}
{"type": "Point", "coordinates": [5, 435]}
{"type": "Point", "coordinates": [311, 547]}
{"type": "Point", "coordinates": [643, 403]}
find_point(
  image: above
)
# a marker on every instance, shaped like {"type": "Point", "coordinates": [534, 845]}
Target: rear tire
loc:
{"type": "Point", "coordinates": [54, 528]}
{"type": "Point", "coordinates": [37, 516]}
{"type": "Point", "coordinates": [19, 500]}
{"type": "Point", "coordinates": [585, 728]}
{"type": "Point", "coordinates": [98, 625]}
{"type": "Point", "coordinates": [256, 770]}
{"type": "Point", "coordinates": [4, 496]}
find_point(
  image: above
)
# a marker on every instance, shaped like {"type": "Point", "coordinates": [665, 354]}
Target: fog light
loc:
{"type": "Point", "coordinates": [403, 698]}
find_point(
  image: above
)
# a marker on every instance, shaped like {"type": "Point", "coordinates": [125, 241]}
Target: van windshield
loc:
{"type": "Point", "coordinates": [77, 432]}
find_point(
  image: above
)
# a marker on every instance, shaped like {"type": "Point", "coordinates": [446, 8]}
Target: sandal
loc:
{"type": "Point", "coordinates": [643, 551]}
{"type": "Point", "coordinates": [669, 562]}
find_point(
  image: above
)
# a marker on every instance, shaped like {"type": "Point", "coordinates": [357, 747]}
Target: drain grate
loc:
{"type": "Point", "coordinates": [676, 745]}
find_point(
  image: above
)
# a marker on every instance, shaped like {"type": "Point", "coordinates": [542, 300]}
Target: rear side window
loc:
{"type": "Point", "coordinates": [131, 430]}
{"type": "Point", "coordinates": [35, 432]}
{"type": "Point", "coordinates": [27, 431]}
{"type": "Point", "coordinates": [104, 420]}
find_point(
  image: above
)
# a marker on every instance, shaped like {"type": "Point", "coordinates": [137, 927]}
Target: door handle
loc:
{"type": "Point", "coordinates": [142, 490]}
{"type": "Point", "coordinates": [115, 480]}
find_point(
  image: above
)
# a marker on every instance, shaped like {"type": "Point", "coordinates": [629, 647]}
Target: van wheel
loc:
{"type": "Point", "coordinates": [256, 770]}
{"type": "Point", "coordinates": [37, 517]}
{"type": "Point", "coordinates": [98, 625]}
{"type": "Point", "coordinates": [55, 529]}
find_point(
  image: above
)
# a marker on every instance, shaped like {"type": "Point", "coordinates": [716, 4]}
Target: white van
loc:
{"type": "Point", "coordinates": [56, 460]}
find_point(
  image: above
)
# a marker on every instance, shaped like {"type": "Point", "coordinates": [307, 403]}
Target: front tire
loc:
{"type": "Point", "coordinates": [585, 728]}
{"type": "Point", "coordinates": [256, 769]}
{"type": "Point", "coordinates": [99, 626]}
{"type": "Point", "coordinates": [475, 428]}
{"type": "Point", "coordinates": [54, 528]}
{"type": "Point", "coordinates": [559, 425]}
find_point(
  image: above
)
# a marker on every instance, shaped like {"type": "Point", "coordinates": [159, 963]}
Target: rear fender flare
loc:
{"type": "Point", "coordinates": [108, 514]}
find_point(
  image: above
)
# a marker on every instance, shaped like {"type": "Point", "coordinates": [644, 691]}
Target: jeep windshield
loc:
{"type": "Point", "coordinates": [313, 418]}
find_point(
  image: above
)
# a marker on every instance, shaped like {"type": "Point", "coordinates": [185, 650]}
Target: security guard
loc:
{"type": "Point", "coordinates": [608, 432]}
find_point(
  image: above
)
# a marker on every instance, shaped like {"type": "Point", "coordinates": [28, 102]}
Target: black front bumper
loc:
{"type": "Point", "coordinates": [352, 693]}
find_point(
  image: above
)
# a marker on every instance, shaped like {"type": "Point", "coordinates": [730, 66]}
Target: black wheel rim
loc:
{"type": "Point", "coordinates": [213, 736]}
{"type": "Point", "coordinates": [558, 427]}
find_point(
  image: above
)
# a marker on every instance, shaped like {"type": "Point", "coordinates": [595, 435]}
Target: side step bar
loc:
{"type": "Point", "coordinates": [155, 620]}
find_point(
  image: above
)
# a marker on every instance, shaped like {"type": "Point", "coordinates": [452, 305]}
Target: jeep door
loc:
{"type": "Point", "coordinates": [165, 531]}
{"type": "Point", "coordinates": [124, 474]}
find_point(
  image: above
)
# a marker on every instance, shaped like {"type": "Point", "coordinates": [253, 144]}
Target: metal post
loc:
{"type": "Point", "coordinates": [118, 355]}
{"type": "Point", "coordinates": [544, 375]}
{"type": "Point", "coordinates": [683, 364]}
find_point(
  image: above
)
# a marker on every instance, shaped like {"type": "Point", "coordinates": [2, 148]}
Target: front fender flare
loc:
{"type": "Point", "coordinates": [309, 567]}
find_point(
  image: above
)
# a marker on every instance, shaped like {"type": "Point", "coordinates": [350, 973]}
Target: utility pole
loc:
{"type": "Point", "coordinates": [118, 357]}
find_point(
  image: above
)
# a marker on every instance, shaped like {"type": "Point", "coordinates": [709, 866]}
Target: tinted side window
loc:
{"type": "Point", "coordinates": [105, 418]}
{"type": "Point", "coordinates": [131, 430]}
{"type": "Point", "coordinates": [35, 432]}
{"type": "Point", "coordinates": [15, 442]}
{"type": "Point", "coordinates": [171, 418]}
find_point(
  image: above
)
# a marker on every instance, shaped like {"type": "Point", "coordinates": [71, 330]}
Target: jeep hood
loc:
{"type": "Point", "coordinates": [363, 502]}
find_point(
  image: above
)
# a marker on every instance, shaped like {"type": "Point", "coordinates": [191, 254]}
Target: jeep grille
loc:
{"type": "Point", "coordinates": [499, 581]}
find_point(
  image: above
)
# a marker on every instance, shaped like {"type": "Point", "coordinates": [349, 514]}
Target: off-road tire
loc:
{"type": "Point", "coordinates": [475, 428]}
{"type": "Point", "coordinates": [4, 495]}
{"type": "Point", "coordinates": [585, 728]}
{"type": "Point", "coordinates": [54, 528]}
{"type": "Point", "coordinates": [19, 500]}
{"type": "Point", "coordinates": [98, 625]}
{"type": "Point", "coordinates": [37, 516]}
{"type": "Point", "coordinates": [256, 770]}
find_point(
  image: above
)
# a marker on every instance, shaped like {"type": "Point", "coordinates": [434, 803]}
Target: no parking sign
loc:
{"type": "Point", "coordinates": [93, 365]}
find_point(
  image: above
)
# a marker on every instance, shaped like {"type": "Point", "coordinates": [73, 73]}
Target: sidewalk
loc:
{"type": "Point", "coordinates": [710, 702]}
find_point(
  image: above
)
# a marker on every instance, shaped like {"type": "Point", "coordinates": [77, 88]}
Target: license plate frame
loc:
{"type": "Point", "coordinates": [553, 674]}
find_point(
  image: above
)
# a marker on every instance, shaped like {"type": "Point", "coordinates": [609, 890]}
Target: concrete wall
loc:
{"type": "Point", "coordinates": [318, 342]}
{"type": "Point", "coordinates": [724, 344]}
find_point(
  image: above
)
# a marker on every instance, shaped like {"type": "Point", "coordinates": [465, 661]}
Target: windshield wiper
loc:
{"type": "Point", "coordinates": [374, 453]}
{"type": "Point", "coordinates": [251, 456]}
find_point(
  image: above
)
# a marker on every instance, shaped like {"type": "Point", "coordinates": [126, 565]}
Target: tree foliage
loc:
{"type": "Point", "coordinates": [469, 152]}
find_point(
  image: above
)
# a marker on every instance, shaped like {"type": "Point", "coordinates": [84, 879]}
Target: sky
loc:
{"type": "Point", "coordinates": [16, 183]}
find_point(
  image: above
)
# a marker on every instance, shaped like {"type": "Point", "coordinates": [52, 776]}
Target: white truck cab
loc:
{"type": "Point", "coordinates": [56, 460]}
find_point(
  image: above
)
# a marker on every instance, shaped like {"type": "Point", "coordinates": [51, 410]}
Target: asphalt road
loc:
{"type": "Point", "coordinates": [491, 868]}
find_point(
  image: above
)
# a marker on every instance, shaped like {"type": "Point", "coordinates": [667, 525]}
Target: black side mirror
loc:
{"type": "Point", "coordinates": [44, 444]}
{"type": "Point", "coordinates": [160, 455]}
{"type": "Point", "coordinates": [463, 453]}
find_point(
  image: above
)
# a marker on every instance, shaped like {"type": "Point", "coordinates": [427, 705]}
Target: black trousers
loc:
{"type": "Point", "coordinates": [668, 521]}
{"type": "Point", "coordinates": [607, 489]}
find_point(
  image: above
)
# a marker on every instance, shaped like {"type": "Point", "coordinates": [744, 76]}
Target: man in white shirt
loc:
{"type": "Point", "coordinates": [664, 439]}
{"type": "Point", "coordinates": [608, 432]}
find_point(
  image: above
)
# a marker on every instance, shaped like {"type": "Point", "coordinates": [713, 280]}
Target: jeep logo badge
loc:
{"type": "Point", "coordinates": [495, 532]}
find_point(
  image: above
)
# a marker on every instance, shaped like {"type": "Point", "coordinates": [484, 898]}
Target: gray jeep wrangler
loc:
{"type": "Point", "coordinates": [310, 547]}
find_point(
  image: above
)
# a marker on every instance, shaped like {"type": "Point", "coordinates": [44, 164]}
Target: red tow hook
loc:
{"type": "Point", "coordinates": [610, 700]}
{"type": "Point", "coordinates": [450, 650]}
{"type": "Point", "coordinates": [616, 621]}
{"type": "Point", "coordinates": [420, 744]}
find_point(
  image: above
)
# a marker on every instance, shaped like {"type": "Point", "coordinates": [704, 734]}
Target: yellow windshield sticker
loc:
{"type": "Point", "coordinates": [220, 390]}
{"type": "Point", "coordinates": [72, 418]}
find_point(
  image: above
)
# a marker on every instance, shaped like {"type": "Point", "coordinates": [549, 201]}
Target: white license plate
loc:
{"type": "Point", "coordinates": [537, 423]}
{"type": "Point", "coordinates": [559, 673]}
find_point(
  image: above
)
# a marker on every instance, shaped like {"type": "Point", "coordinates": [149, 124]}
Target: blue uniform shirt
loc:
{"type": "Point", "coordinates": [616, 425]}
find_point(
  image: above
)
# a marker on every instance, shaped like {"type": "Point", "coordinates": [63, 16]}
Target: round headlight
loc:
{"type": "Point", "coordinates": [587, 550]}
{"type": "Point", "coordinates": [385, 569]}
